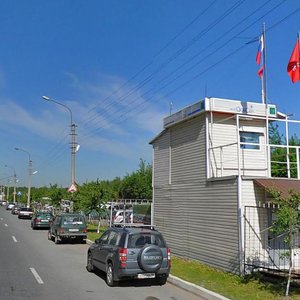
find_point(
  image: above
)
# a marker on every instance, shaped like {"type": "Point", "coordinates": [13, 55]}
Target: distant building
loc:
{"type": "Point", "coordinates": [211, 171]}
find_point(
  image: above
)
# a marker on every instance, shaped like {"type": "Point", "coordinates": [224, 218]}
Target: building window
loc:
{"type": "Point", "coordinates": [249, 140]}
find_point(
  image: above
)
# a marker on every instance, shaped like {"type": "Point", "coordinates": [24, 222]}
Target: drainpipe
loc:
{"type": "Point", "coordinates": [239, 199]}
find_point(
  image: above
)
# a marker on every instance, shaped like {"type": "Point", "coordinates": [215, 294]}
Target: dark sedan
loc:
{"type": "Point", "coordinates": [41, 220]}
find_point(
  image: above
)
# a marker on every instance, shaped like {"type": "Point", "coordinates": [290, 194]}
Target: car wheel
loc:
{"type": "Point", "coordinates": [89, 265]}
{"type": "Point", "coordinates": [110, 275]}
{"type": "Point", "coordinates": [154, 264]}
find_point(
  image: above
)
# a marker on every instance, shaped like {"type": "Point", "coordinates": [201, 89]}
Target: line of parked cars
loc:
{"type": "Point", "coordinates": [121, 252]}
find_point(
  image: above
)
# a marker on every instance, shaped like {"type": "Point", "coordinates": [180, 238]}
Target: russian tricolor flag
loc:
{"type": "Point", "coordinates": [259, 55]}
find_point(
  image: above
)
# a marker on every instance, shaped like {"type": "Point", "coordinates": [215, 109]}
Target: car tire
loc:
{"type": "Point", "coordinates": [89, 264]}
{"type": "Point", "coordinates": [110, 275]}
{"type": "Point", "coordinates": [150, 250]}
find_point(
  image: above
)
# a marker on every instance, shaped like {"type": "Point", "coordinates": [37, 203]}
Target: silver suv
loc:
{"type": "Point", "coordinates": [124, 253]}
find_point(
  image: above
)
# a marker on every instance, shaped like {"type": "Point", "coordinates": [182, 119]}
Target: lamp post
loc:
{"type": "Point", "coordinates": [29, 174]}
{"type": "Point", "coordinates": [15, 181]}
{"type": "Point", "coordinates": [7, 188]}
{"type": "Point", "coordinates": [74, 146]}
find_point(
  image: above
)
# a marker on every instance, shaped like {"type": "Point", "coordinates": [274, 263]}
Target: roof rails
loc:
{"type": "Point", "coordinates": [134, 225]}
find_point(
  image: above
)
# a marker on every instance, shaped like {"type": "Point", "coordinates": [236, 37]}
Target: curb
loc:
{"type": "Point", "coordinates": [191, 287]}
{"type": "Point", "coordinates": [195, 289]}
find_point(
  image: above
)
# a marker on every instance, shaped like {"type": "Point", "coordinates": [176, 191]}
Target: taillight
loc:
{"type": "Point", "coordinates": [169, 256]}
{"type": "Point", "coordinates": [123, 257]}
{"type": "Point", "coordinates": [37, 220]}
{"type": "Point", "coordinates": [84, 230]}
{"type": "Point", "coordinates": [61, 230]}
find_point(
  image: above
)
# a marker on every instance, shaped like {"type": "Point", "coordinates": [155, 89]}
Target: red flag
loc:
{"type": "Point", "coordinates": [259, 56]}
{"type": "Point", "coordinates": [293, 67]}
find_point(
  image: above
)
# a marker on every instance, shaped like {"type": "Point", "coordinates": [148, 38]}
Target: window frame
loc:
{"type": "Point", "coordinates": [253, 144]}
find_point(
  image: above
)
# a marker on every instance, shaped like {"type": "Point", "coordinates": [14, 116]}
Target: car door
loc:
{"type": "Point", "coordinates": [98, 249]}
{"type": "Point", "coordinates": [55, 225]}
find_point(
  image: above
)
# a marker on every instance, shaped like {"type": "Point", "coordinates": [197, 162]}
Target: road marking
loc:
{"type": "Point", "coordinates": [14, 238]}
{"type": "Point", "coordinates": [36, 276]}
{"type": "Point", "coordinates": [5, 225]}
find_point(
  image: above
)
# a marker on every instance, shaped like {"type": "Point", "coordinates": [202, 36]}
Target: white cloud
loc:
{"type": "Point", "coordinates": [114, 126]}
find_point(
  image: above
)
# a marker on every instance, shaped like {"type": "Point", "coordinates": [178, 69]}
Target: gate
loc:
{"type": "Point", "coordinates": [264, 250]}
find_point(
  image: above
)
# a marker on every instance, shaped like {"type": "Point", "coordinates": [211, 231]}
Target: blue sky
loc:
{"type": "Point", "coordinates": [118, 65]}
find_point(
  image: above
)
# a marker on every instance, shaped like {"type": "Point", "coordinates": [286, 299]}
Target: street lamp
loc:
{"type": "Point", "coordinates": [15, 181]}
{"type": "Point", "coordinates": [29, 174]}
{"type": "Point", "coordinates": [74, 146]}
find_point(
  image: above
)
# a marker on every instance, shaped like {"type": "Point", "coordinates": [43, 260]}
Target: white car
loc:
{"type": "Point", "coordinates": [25, 213]}
{"type": "Point", "coordinates": [119, 216]}
{"type": "Point", "coordinates": [10, 206]}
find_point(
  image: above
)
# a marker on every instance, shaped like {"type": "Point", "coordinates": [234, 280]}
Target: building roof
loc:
{"type": "Point", "coordinates": [282, 185]}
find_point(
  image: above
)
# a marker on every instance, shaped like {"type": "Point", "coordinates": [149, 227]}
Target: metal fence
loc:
{"type": "Point", "coordinates": [264, 250]}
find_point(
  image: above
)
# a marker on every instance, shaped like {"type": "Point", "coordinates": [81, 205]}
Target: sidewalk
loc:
{"type": "Point", "coordinates": [193, 288]}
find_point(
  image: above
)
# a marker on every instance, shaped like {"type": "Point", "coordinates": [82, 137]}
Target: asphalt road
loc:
{"type": "Point", "coordinates": [31, 267]}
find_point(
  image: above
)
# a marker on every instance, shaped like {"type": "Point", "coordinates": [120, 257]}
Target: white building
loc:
{"type": "Point", "coordinates": [211, 167]}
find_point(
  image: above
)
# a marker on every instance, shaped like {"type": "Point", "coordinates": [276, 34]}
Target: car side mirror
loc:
{"type": "Point", "coordinates": [98, 241]}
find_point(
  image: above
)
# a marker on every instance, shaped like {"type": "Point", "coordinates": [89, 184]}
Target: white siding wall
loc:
{"type": "Point", "coordinates": [188, 159]}
{"type": "Point", "coordinates": [201, 222]}
{"type": "Point", "coordinates": [224, 148]}
{"type": "Point", "coordinates": [199, 219]}
{"type": "Point", "coordinates": [223, 141]}
{"type": "Point", "coordinates": [162, 158]}
{"type": "Point", "coordinates": [256, 223]}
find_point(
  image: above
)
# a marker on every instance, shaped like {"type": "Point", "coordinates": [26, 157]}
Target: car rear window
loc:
{"type": "Point", "coordinates": [46, 216]}
{"type": "Point", "coordinates": [73, 220]}
{"type": "Point", "coordinates": [139, 240]}
{"type": "Point", "coordinates": [26, 209]}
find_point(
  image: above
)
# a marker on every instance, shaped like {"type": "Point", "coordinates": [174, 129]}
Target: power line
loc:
{"type": "Point", "coordinates": [178, 52]}
{"type": "Point", "coordinates": [203, 59]}
{"type": "Point", "coordinates": [155, 56]}
{"type": "Point", "coordinates": [211, 66]}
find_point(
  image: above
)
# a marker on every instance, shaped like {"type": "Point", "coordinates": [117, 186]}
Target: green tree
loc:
{"type": "Point", "coordinates": [287, 223]}
{"type": "Point", "coordinates": [138, 185]}
{"type": "Point", "coordinates": [279, 155]}
{"type": "Point", "coordinates": [56, 194]}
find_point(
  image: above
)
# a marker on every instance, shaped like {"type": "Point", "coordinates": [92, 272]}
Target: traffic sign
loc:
{"type": "Point", "coordinates": [72, 188]}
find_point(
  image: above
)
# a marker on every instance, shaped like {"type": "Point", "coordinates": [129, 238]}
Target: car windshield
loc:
{"type": "Point", "coordinates": [73, 220]}
{"type": "Point", "coordinates": [139, 240]}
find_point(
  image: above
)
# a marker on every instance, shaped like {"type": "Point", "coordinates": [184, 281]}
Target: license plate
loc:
{"type": "Point", "coordinates": [146, 275]}
{"type": "Point", "coordinates": [44, 221]}
{"type": "Point", "coordinates": [73, 230]}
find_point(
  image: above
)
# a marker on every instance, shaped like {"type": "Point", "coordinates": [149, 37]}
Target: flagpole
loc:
{"type": "Point", "coordinates": [265, 100]}
{"type": "Point", "coordinates": [264, 75]}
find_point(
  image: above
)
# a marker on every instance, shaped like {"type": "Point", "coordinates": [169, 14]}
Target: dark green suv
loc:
{"type": "Point", "coordinates": [68, 226]}
{"type": "Point", "coordinates": [124, 253]}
